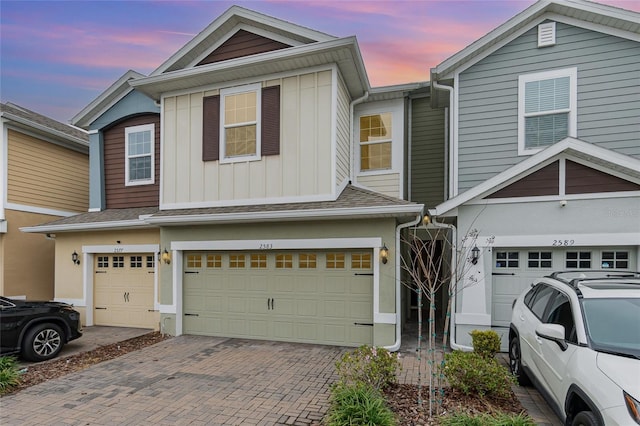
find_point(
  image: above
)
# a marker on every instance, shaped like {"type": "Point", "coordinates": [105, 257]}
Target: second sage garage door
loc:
{"type": "Point", "coordinates": [314, 296]}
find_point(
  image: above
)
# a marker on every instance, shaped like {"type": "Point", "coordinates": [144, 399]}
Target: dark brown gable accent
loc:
{"type": "Point", "coordinates": [117, 194]}
{"type": "Point", "coordinates": [211, 128]}
{"type": "Point", "coordinates": [581, 179]}
{"type": "Point", "coordinates": [542, 182]}
{"type": "Point", "coordinates": [271, 120]}
{"type": "Point", "coordinates": [242, 43]}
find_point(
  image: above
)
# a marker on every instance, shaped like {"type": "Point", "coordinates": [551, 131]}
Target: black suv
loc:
{"type": "Point", "coordinates": [36, 330]}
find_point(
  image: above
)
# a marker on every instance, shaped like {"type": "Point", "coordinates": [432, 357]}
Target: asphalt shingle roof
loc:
{"type": "Point", "coordinates": [43, 121]}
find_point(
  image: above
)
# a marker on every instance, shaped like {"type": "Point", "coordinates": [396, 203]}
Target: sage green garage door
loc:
{"type": "Point", "coordinates": [314, 296]}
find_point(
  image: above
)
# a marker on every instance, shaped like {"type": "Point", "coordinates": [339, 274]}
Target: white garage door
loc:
{"type": "Point", "coordinates": [123, 290]}
{"type": "Point", "coordinates": [316, 296]}
{"type": "Point", "coordinates": [515, 269]}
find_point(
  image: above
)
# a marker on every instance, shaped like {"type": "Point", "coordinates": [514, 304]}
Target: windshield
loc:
{"type": "Point", "coordinates": [613, 325]}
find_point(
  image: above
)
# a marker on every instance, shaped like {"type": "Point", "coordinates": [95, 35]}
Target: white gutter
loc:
{"type": "Point", "coordinates": [353, 103]}
{"type": "Point", "coordinates": [453, 184]}
{"type": "Point", "coordinates": [121, 224]}
{"type": "Point", "coordinates": [454, 273]}
{"type": "Point", "coordinates": [397, 343]}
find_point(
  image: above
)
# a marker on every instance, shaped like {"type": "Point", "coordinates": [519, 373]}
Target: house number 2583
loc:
{"type": "Point", "coordinates": [265, 246]}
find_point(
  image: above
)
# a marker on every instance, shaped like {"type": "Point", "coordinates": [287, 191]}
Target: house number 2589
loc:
{"type": "Point", "coordinates": [265, 246]}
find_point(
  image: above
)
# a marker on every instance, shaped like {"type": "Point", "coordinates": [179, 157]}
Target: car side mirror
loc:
{"type": "Point", "coordinates": [553, 332]}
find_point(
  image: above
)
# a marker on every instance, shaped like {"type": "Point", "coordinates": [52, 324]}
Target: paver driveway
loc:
{"type": "Point", "coordinates": [187, 380]}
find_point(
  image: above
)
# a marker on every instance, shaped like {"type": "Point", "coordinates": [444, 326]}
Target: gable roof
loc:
{"type": "Point", "coordinates": [594, 154]}
{"type": "Point", "coordinates": [70, 136]}
{"type": "Point", "coordinates": [118, 90]}
{"type": "Point", "coordinates": [223, 27]}
{"type": "Point", "coordinates": [620, 22]}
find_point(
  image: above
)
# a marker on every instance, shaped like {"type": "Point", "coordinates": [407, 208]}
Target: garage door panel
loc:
{"type": "Point", "coordinates": [313, 304]}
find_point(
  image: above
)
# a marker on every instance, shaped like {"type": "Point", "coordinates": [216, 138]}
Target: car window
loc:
{"type": "Point", "coordinates": [540, 300]}
{"type": "Point", "coordinates": [559, 312]}
{"type": "Point", "coordinates": [530, 294]}
{"type": "Point", "coordinates": [5, 303]}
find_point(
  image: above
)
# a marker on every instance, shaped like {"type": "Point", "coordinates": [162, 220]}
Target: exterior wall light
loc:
{"type": "Point", "coordinates": [166, 257]}
{"type": "Point", "coordinates": [475, 255]}
{"type": "Point", "coordinates": [426, 219]}
{"type": "Point", "coordinates": [75, 258]}
{"type": "Point", "coordinates": [384, 254]}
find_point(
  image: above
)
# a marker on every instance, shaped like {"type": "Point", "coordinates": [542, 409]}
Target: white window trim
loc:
{"type": "Point", "coordinates": [135, 129]}
{"type": "Point", "coordinates": [256, 87]}
{"type": "Point", "coordinates": [572, 73]}
{"type": "Point", "coordinates": [396, 108]}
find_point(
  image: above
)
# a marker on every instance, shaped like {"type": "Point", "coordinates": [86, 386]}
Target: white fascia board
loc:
{"type": "Point", "coordinates": [568, 144]}
{"type": "Point", "coordinates": [71, 142]}
{"type": "Point", "coordinates": [39, 210]}
{"type": "Point", "coordinates": [279, 244]}
{"type": "Point", "coordinates": [122, 224]}
{"type": "Point", "coordinates": [118, 90]}
{"type": "Point", "coordinates": [152, 85]}
{"type": "Point", "coordinates": [574, 240]}
{"type": "Point", "coordinates": [248, 15]}
{"type": "Point", "coordinates": [290, 215]}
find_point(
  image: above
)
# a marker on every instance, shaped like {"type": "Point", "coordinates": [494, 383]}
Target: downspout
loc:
{"type": "Point", "coordinates": [453, 191]}
{"type": "Point", "coordinates": [454, 260]}
{"type": "Point", "coordinates": [351, 141]}
{"type": "Point", "coordinates": [396, 344]}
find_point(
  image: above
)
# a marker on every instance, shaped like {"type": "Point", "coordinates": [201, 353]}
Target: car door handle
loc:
{"type": "Point", "coordinates": [521, 318]}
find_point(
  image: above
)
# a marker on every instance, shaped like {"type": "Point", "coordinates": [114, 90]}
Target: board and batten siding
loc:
{"type": "Point", "coordinates": [343, 144]}
{"type": "Point", "coordinates": [427, 153]}
{"type": "Point", "coordinates": [303, 167]}
{"type": "Point", "coordinates": [608, 97]}
{"type": "Point", "coordinates": [42, 174]}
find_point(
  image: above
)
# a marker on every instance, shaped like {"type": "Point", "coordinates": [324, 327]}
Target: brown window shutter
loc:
{"type": "Point", "coordinates": [211, 128]}
{"type": "Point", "coordinates": [271, 120]}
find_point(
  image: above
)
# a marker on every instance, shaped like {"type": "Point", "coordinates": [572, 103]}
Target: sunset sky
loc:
{"type": "Point", "coordinates": [57, 56]}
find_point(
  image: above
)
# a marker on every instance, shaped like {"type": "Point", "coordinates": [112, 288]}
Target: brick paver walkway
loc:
{"type": "Point", "coordinates": [187, 380]}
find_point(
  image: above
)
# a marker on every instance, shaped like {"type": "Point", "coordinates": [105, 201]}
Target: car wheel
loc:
{"type": "Point", "coordinates": [515, 362]}
{"type": "Point", "coordinates": [585, 418]}
{"type": "Point", "coordinates": [42, 342]}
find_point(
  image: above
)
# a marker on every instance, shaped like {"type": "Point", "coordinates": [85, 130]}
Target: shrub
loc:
{"type": "Point", "coordinates": [486, 343]}
{"type": "Point", "coordinates": [376, 367]}
{"type": "Point", "coordinates": [472, 373]}
{"type": "Point", "coordinates": [488, 420]}
{"type": "Point", "coordinates": [9, 375]}
{"type": "Point", "coordinates": [358, 404]}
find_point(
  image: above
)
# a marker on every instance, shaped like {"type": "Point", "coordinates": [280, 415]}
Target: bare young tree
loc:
{"type": "Point", "coordinates": [436, 262]}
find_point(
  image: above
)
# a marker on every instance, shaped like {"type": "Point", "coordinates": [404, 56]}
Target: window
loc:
{"type": "Point", "coordinates": [240, 127]}
{"type": "Point", "coordinates": [284, 261]}
{"type": "Point", "coordinates": [136, 261]}
{"type": "Point", "coordinates": [139, 163]}
{"type": "Point", "coordinates": [559, 312]}
{"type": "Point", "coordinates": [539, 259]}
{"type": "Point", "coordinates": [214, 261]}
{"type": "Point", "coordinates": [615, 260]}
{"type": "Point", "coordinates": [361, 260]}
{"type": "Point", "coordinates": [507, 259]}
{"type": "Point", "coordinates": [546, 109]}
{"type": "Point", "coordinates": [151, 261]}
{"type": "Point", "coordinates": [375, 141]}
{"type": "Point", "coordinates": [194, 261]}
{"type": "Point", "coordinates": [578, 260]}
{"type": "Point", "coordinates": [236, 261]}
{"type": "Point", "coordinates": [307, 261]}
{"type": "Point", "coordinates": [540, 300]}
{"type": "Point", "coordinates": [335, 260]}
{"type": "Point", "coordinates": [103, 261]}
{"type": "Point", "coordinates": [259, 260]}
{"type": "Point", "coordinates": [118, 261]}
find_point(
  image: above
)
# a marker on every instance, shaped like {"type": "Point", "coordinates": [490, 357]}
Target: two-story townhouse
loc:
{"type": "Point", "coordinates": [281, 188]}
{"type": "Point", "coordinates": [44, 166]}
{"type": "Point", "coordinates": [544, 153]}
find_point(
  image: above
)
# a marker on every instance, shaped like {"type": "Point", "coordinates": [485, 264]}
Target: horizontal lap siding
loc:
{"type": "Point", "coordinates": [343, 153]}
{"type": "Point", "coordinates": [427, 153]}
{"type": "Point", "coordinates": [42, 174]}
{"type": "Point", "coordinates": [118, 195]}
{"type": "Point", "coordinates": [608, 97]}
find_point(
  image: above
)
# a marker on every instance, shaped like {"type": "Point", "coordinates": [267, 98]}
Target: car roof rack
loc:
{"type": "Point", "coordinates": [573, 278]}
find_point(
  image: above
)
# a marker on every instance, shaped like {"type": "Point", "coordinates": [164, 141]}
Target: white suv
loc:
{"type": "Point", "coordinates": [576, 336]}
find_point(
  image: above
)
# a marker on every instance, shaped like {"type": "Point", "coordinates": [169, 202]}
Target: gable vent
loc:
{"type": "Point", "coordinates": [547, 34]}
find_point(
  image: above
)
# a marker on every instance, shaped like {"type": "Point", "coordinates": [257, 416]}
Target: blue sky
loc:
{"type": "Point", "coordinates": [57, 56]}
